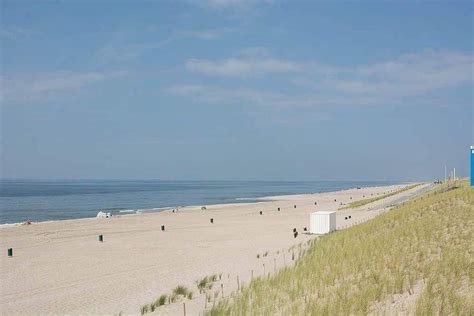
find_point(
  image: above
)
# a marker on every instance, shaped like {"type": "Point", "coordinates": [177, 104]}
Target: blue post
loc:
{"type": "Point", "coordinates": [472, 166]}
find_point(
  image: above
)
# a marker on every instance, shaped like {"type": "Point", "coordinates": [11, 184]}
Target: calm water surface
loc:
{"type": "Point", "coordinates": [34, 200]}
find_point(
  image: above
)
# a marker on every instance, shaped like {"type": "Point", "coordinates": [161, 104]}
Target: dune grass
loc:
{"type": "Point", "coordinates": [181, 291]}
{"type": "Point", "coordinates": [377, 198]}
{"type": "Point", "coordinates": [426, 242]}
{"type": "Point", "coordinates": [178, 292]}
{"type": "Point", "coordinates": [207, 282]}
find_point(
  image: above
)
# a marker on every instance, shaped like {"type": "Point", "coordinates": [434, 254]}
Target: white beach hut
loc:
{"type": "Point", "coordinates": [322, 222]}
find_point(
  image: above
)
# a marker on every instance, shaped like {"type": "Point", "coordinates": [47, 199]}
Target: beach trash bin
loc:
{"type": "Point", "coordinates": [212, 221]}
{"type": "Point", "coordinates": [295, 205]}
{"type": "Point", "coordinates": [163, 228]}
{"type": "Point", "coordinates": [261, 213]}
{"type": "Point", "coordinates": [101, 238]}
{"type": "Point", "coordinates": [10, 252]}
{"type": "Point", "coordinates": [295, 234]}
{"type": "Point", "coordinates": [345, 218]}
{"type": "Point", "coordinates": [294, 230]}
{"type": "Point", "coordinates": [278, 209]}
{"type": "Point", "coordinates": [350, 216]}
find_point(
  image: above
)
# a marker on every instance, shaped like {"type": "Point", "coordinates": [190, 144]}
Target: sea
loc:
{"type": "Point", "coordinates": [46, 200]}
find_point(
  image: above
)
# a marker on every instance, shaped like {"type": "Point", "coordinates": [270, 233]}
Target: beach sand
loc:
{"type": "Point", "coordinates": [61, 267]}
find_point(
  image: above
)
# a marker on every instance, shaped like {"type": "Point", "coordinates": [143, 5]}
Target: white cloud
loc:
{"type": "Point", "coordinates": [409, 79]}
{"type": "Point", "coordinates": [46, 85]}
{"type": "Point", "coordinates": [238, 67]}
{"type": "Point", "coordinates": [408, 75]}
{"type": "Point", "coordinates": [249, 96]}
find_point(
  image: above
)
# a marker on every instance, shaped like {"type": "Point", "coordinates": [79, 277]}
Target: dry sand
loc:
{"type": "Point", "coordinates": [61, 267]}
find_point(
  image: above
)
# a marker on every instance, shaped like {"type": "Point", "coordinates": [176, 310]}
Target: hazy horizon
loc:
{"type": "Point", "coordinates": [236, 90]}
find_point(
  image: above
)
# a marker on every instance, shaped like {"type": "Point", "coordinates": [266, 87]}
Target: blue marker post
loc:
{"type": "Point", "coordinates": [472, 166]}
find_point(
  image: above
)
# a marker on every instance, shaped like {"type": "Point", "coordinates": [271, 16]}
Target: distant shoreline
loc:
{"type": "Point", "coordinates": [238, 201]}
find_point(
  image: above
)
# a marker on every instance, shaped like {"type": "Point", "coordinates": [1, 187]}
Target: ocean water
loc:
{"type": "Point", "coordinates": [34, 200]}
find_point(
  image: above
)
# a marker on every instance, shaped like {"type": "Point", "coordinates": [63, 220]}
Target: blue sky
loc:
{"type": "Point", "coordinates": [236, 89]}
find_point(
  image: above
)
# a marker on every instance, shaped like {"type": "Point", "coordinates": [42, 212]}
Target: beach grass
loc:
{"type": "Point", "coordinates": [377, 198]}
{"type": "Point", "coordinates": [419, 254]}
{"type": "Point", "coordinates": [206, 283]}
{"type": "Point", "coordinates": [179, 292]}
{"type": "Point", "coordinates": [161, 300]}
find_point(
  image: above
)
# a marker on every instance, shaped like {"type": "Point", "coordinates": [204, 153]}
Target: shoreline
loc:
{"type": "Point", "coordinates": [60, 267]}
{"type": "Point", "coordinates": [138, 211]}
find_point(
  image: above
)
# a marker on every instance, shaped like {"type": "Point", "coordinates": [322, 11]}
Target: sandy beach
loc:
{"type": "Point", "coordinates": [61, 267]}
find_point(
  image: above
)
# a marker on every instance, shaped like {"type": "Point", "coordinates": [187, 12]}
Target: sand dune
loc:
{"type": "Point", "coordinates": [61, 267]}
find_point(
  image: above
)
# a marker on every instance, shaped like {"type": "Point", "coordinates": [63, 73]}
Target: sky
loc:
{"type": "Point", "coordinates": [236, 89]}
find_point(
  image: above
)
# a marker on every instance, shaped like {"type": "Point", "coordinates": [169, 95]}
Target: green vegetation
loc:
{"type": "Point", "coordinates": [161, 300]}
{"type": "Point", "coordinates": [367, 201]}
{"type": "Point", "coordinates": [420, 252]}
{"type": "Point", "coordinates": [207, 282]}
{"type": "Point", "coordinates": [179, 291]}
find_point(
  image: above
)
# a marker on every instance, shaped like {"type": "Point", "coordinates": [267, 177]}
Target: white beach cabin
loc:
{"type": "Point", "coordinates": [322, 222]}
